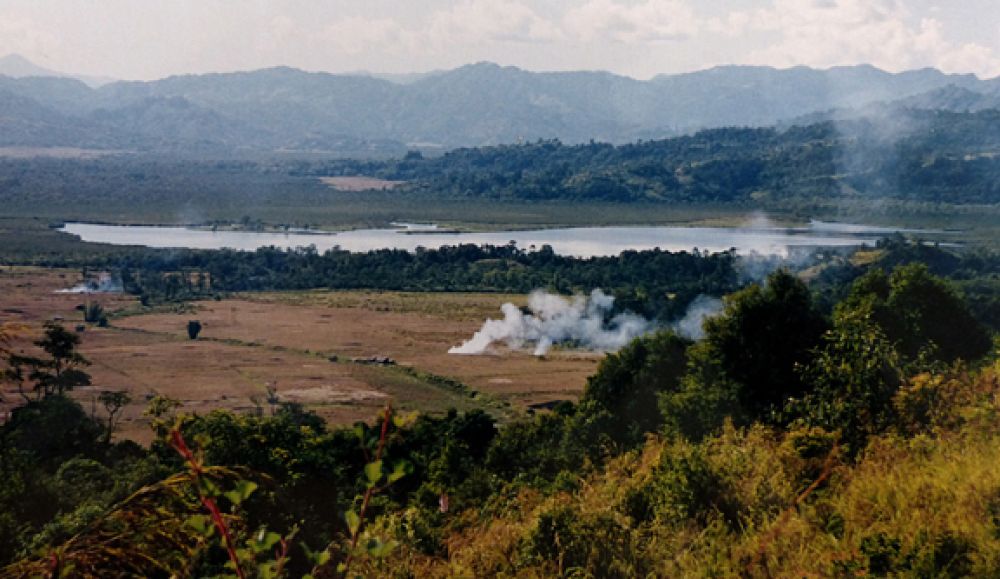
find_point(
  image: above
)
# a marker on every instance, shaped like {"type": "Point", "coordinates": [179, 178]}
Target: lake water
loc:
{"type": "Point", "coordinates": [575, 241]}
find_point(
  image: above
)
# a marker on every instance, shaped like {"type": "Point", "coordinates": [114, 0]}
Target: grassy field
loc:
{"type": "Point", "coordinates": [285, 341]}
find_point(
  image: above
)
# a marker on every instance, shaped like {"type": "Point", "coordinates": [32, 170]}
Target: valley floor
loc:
{"type": "Point", "coordinates": [286, 341]}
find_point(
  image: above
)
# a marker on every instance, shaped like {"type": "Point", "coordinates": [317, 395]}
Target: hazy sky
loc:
{"type": "Point", "coordinates": [144, 39]}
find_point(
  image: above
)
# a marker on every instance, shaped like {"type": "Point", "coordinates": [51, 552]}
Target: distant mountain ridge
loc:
{"type": "Point", "coordinates": [478, 104]}
{"type": "Point", "coordinates": [17, 66]}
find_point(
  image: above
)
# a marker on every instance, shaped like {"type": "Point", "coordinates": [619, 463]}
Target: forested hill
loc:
{"type": "Point", "coordinates": [931, 156]}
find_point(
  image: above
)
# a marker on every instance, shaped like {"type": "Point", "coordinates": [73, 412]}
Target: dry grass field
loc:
{"type": "Point", "coordinates": [415, 330]}
{"type": "Point", "coordinates": [360, 183]}
{"type": "Point", "coordinates": [284, 341]}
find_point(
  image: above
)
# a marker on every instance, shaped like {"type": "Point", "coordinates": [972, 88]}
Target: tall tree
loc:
{"type": "Point", "coordinates": [765, 334]}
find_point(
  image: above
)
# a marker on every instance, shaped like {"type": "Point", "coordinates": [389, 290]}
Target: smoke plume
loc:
{"type": "Point", "coordinates": [700, 308]}
{"type": "Point", "coordinates": [103, 284]}
{"type": "Point", "coordinates": [552, 319]}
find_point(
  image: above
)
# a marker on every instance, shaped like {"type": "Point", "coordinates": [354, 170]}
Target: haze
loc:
{"type": "Point", "coordinates": [132, 39]}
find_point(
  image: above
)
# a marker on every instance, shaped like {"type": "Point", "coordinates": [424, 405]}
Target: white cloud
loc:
{"type": "Point", "coordinates": [647, 22]}
{"type": "Point", "coordinates": [133, 39]}
{"type": "Point", "coordinates": [465, 23]}
{"type": "Point", "coordinates": [880, 32]}
{"type": "Point", "coordinates": [355, 35]}
{"type": "Point", "coordinates": [491, 21]}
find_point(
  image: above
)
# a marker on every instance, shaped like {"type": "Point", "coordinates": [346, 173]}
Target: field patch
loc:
{"type": "Point", "coordinates": [360, 183]}
{"type": "Point", "coordinates": [414, 330]}
{"type": "Point", "coordinates": [312, 348]}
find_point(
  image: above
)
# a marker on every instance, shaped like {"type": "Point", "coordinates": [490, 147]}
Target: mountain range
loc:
{"type": "Point", "coordinates": [285, 109]}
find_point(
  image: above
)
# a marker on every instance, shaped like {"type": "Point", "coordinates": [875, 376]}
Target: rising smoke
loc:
{"type": "Point", "coordinates": [551, 319]}
{"type": "Point", "coordinates": [584, 321]}
{"type": "Point", "coordinates": [690, 326]}
{"type": "Point", "coordinates": [103, 284]}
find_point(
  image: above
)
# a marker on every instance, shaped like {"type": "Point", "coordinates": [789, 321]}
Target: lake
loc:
{"type": "Point", "coordinates": [574, 241]}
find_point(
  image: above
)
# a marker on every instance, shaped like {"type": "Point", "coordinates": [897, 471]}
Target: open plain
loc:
{"type": "Point", "coordinates": [341, 354]}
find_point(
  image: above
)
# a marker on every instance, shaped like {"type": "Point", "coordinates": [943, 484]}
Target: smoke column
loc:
{"type": "Point", "coordinates": [700, 308]}
{"type": "Point", "coordinates": [554, 319]}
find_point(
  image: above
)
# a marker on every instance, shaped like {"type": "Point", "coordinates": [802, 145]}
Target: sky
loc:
{"type": "Point", "coordinates": [147, 39]}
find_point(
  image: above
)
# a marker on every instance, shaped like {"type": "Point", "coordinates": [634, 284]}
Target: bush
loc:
{"type": "Point", "coordinates": [93, 313]}
{"type": "Point", "coordinates": [620, 399]}
{"type": "Point", "coordinates": [581, 544]}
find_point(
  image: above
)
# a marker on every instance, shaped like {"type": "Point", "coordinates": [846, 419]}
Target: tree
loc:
{"type": "Point", "coordinates": [52, 430]}
{"type": "Point", "coordinates": [620, 399]}
{"type": "Point", "coordinates": [855, 375]}
{"type": "Point", "coordinates": [56, 375]}
{"type": "Point", "coordinates": [920, 314]}
{"type": "Point", "coordinates": [114, 402]}
{"type": "Point", "coordinates": [765, 334]}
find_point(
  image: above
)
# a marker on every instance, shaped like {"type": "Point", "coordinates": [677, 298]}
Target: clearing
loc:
{"type": "Point", "coordinates": [360, 183]}
{"type": "Point", "coordinates": [285, 341]}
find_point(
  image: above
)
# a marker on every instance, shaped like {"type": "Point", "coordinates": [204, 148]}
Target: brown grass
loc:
{"type": "Point", "coordinates": [369, 327]}
{"type": "Point", "coordinates": [360, 183]}
{"type": "Point", "coordinates": [283, 340]}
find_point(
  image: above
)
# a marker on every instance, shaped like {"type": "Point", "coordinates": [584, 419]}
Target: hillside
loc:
{"type": "Point", "coordinates": [890, 152]}
{"type": "Point", "coordinates": [793, 439]}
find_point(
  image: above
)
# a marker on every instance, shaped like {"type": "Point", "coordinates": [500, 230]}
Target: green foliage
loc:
{"type": "Point", "coordinates": [888, 327]}
{"type": "Point", "coordinates": [705, 398]}
{"type": "Point", "coordinates": [536, 451]}
{"type": "Point", "coordinates": [55, 375]}
{"type": "Point", "coordinates": [855, 375]}
{"type": "Point", "coordinates": [571, 543]}
{"type": "Point", "coordinates": [761, 339]}
{"type": "Point", "coordinates": [654, 283]}
{"type": "Point", "coordinates": [93, 313]}
{"type": "Point", "coordinates": [774, 446]}
{"type": "Point", "coordinates": [619, 403]}
{"type": "Point", "coordinates": [920, 315]}
{"type": "Point", "coordinates": [52, 429]}
{"type": "Point", "coordinates": [60, 477]}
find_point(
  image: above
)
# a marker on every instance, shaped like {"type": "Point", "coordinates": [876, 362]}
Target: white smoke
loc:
{"type": "Point", "coordinates": [690, 326]}
{"type": "Point", "coordinates": [553, 319]}
{"type": "Point", "coordinates": [103, 284]}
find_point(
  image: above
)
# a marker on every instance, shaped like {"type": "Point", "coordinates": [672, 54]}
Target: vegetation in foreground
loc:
{"type": "Point", "coordinates": [786, 442]}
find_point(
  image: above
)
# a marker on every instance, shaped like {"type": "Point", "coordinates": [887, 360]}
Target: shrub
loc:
{"type": "Point", "coordinates": [193, 329]}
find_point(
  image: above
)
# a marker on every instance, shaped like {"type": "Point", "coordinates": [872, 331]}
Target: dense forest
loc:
{"type": "Point", "coordinates": [787, 441]}
{"type": "Point", "coordinates": [915, 155]}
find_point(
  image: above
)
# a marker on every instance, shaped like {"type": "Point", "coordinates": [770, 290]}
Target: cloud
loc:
{"type": "Point", "coordinates": [492, 20]}
{"type": "Point", "coordinates": [452, 28]}
{"type": "Point", "coordinates": [840, 32]}
{"type": "Point", "coordinates": [638, 37]}
{"type": "Point", "coordinates": [356, 35]}
{"type": "Point", "coordinates": [647, 22]}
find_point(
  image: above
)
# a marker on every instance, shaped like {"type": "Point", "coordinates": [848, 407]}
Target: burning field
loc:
{"type": "Point", "coordinates": [341, 354]}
